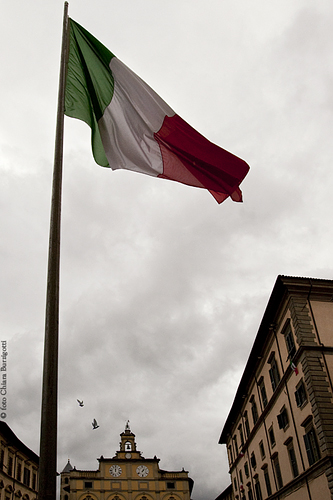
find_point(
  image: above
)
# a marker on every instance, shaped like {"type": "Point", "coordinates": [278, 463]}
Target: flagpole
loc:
{"type": "Point", "coordinates": [49, 408]}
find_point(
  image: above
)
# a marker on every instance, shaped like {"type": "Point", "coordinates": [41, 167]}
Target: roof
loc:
{"type": "Point", "coordinates": [13, 440]}
{"type": "Point", "coordinates": [68, 467]}
{"type": "Point", "coordinates": [225, 493]}
{"type": "Point", "coordinates": [283, 285]}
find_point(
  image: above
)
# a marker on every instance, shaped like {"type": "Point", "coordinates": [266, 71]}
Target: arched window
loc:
{"type": "Point", "coordinates": [128, 446]}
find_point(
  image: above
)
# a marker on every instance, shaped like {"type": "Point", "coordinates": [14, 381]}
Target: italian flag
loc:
{"type": "Point", "coordinates": [294, 367]}
{"type": "Point", "coordinates": [134, 129]}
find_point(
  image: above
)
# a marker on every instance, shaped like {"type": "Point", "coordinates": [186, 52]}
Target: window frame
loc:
{"type": "Point", "coordinates": [283, 419]}
{"type": "Point", "coordinates": [26, 476]}
{"type": "Point", "coordinates": [231, 458]}
{"type": "Point", "coordinates": [311, 445]}
{"type": "Point", "coordinates": [257, 489]}
{"type": "Point", "coordinates": [253, 461]}
{"type": "Point", "coordinates": [277, 469]}
{"type": "Point", "coordinates": [235, 444]}
{"type": "Point", "coordinates": [10, 464]}
{"type": "Point", "coordinates": [274, 371]}
{"type": "Point", "coordinates": [249, 491]}
{"type": "Point", "coordinates": [262, 450]}
{"type": "Point", "coordinates": [241, 434]}
{"type": "Point", "coordinates": [263, 392]}
{"type": "Point", "coordinates": [270, 434]}
{"type": "Point", "coordinates": [301, 396]}
{"type": "Point", "coordinates": [292, 458]}
{"type": "Point", "coordinates": [19, 471]}
{"type": "Point", "coordinates": [289, 339]}
{"type": "Point", "coordinates": [240, 476]}
{"type": "Point", "coordinates": [246, 469]}
{"type": "Point", "coordinates": [267, 480]}
{"type": "Point", "coordinates": [254, 410]}
{"type": "Point", "coordinates": [247, 425]}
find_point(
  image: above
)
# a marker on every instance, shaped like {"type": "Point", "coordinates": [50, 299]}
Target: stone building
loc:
{"type": "Point", "coordinates": [279, 431]}
{"type": "Point", "coordinates": [18, 467]}
{"type": "Point", "coordinates": [126, 476]}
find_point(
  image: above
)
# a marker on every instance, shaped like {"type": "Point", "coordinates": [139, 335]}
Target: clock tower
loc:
{"type": "Point", "coordinates": [126, 476]}
{"type": "Point", "coordinates": [127, 444]}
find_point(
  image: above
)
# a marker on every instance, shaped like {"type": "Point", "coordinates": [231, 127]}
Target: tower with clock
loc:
{"type": "Point", "coordinates": [126, 476]}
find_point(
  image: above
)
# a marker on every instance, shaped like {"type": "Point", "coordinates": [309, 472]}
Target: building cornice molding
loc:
{"type": "Point", "coordinates": [285, 289]}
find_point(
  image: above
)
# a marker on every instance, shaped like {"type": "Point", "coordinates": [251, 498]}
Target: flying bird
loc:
{"type": "Point", "coordinates": [94, 424]}
{"type": "Point", "coordinates": [80, 402]}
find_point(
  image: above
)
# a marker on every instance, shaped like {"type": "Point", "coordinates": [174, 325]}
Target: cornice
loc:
{"type": "Point", "coordinates": [284, 288]}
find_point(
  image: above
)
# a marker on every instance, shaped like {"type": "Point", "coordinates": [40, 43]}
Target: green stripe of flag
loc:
{"type": "Point", "coordinates": [90, 84]}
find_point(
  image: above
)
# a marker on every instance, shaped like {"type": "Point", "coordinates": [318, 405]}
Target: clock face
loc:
{"type": "Point", "coordinates": [115, 470]}
{"type": "Point", "coordinates": [128, 455]}
{"type": "Point", "coordinates": [142, 471]}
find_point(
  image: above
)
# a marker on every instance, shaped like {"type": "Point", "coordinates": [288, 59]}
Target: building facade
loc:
{"type": "Point", "coordinates": [279, 431]}
{"type": "Point", "coordinates": [227, 494]}
{"type": "Point", "coordinates": [18, 467]}
{"type": "Point", "coordinates": [126, 476]}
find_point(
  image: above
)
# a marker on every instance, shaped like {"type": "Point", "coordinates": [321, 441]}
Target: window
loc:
{"type": "Point", "coordinates": [263, 393]}
{"type": "Point", "coordinates": [170, 485]}
{"type": "Point", "coordinates": [253, 460]}
{"type": "Point", "coordinates": [274, 371]}
{"type": "Point", "coordinates": [262, 450]}
{"type": "Point", "coordinates": [246, 469]}
{"type": "Point", "coordinates": [235, 484]}
{"type": "Point", "coordinates": [300, 394]}
{"type": "Point", "coordinates": [249, 491]}
{"type": "Point", "coordinates": [257, 489]}
{"type": "Point", "coordinates": [277, 469]}
{"type": "Point", "coordinates": [236, 445]}
{"type": "Point", "coordinates": [283, 419]}
{"type": "Point", "coordinates": [240, 477]}
{"type": "Point", "coordinates": [10, 466]}
{"type": "Point", "coordinates": [88, 485]}
{"type": "Point", "coordinates": [271, 436]}
{"type": "Point", "coordinates": [267, 481]}
{"type": "Point", "coordinates": [247, 425]}
{"type": "Point", "coordinates": [311, 445]}
{"type": "Point", "coordinates": [289, 338]}
{"type": "Point", "coordinates": [254, 410]}
{"type": "Point", "coordinates": [2, 458]}
{"type": "Point", "coordinates": [26, 476]}
{"type": "Point", "coordinates": [34, 480]}
{"type": "Point", "coordinates": [128, 446]}
{"type": "Point", "coordinates": [231, 458]}
{"type": "Point", "coordinates": [19, 471]}
{"type": "Point", "coordinates": [241, 435]}
{"type": "Point", "coordinates": [292, 458]}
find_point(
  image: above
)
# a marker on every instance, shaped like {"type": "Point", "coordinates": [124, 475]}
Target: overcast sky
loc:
{"type": "Point", "coordinates": [162, 289]}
